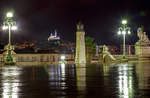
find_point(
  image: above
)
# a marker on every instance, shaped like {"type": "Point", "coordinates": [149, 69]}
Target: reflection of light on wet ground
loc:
{"type": "Point", "coordinates": [143, 71]}
{"type": "Point", "coordinates": [81, 78]}
{"type": "Point", "coordinates": [63, 71]}
{"type": "Point", "coordinates": [125, 81]}
{"type": "Point", "coordinates": [10, 90]}
{"type": "Point", "coordinates": [57, 76]}
{"type": "Point", "coordinates": [10, 82]}
{"type": "Point", "coordinates": [69, 81]}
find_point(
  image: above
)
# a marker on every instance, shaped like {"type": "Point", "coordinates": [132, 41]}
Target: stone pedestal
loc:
{"type": "Point", "coordinates": [9, 55]}
{"type": "Point", "coordinates": [142, 49]}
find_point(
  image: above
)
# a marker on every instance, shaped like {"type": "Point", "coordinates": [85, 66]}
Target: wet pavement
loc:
{"type": "Point", "coordinates": [125, 80]}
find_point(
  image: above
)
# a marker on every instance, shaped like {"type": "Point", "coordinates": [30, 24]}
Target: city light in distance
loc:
{"type": "Point", "coordinates": [62, 57]}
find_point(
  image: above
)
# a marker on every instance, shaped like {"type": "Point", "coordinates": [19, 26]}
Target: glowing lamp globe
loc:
{"type": "Point", "coordinates": [14, 28]}
{"type": "Point", "coordinates": [9, 14]}
{"type": "Point", "coordinates": [129, 32]}
{"type": "Point", "coordinates": [119, 32]}
{"type": "Point", "coordinates": [124, 22]}
{"type": "Point", "coordinates": [124, 32]}
{"type": "Point", "coordinates": [5, 27]}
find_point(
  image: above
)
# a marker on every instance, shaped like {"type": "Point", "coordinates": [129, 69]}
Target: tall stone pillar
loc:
{"type": "Point", "coordinates": [80, 57]}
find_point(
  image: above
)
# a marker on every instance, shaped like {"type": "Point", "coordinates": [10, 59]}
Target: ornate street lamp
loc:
{"type": "Point", "coordinates": [124, 29]}
{"type": "Point", "coordinates": [10, 25]}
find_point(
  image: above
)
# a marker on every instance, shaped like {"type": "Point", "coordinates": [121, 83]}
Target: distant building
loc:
{"type": "Point", "coordinates": [53, 36]}
{"type": "Point", "coordinates": [44, 51]}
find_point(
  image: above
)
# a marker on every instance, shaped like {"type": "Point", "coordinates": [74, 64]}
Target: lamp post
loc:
{"type": "Point", "coordinates": [124, 29]}
{"type": "Point", "coordinates": [10, 25]}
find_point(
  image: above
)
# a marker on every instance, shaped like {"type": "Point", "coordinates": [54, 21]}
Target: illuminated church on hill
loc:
{"type": "Point", "coordinates": [53, 36]}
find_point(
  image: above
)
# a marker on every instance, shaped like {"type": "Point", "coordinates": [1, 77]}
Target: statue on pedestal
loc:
{"type": "Point", "coordinates": [12, 52]}
{"type": "Point", "coordinates": [142, 36]}
{"type": "Point", "coordinates": [142, 46]}
{"type": "Point", "coordinates": [105, 56]}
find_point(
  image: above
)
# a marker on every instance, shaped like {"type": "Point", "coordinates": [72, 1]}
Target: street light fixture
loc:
{"type": "Point", "coordinates": [5, 27]}
{"type": "Point", "coordinates": [14, 28]}
{"type": "Point", "coordinates": [124, 22]}
{"type": "Point", "coordinates": [9, 15]}
{"type": "Point", "coordinates": [124, 29]}
{"type": "Point", "coordinates": [10, 25]}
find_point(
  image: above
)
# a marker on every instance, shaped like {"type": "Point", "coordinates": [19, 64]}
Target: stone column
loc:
{"type": "Point", "coordinates": [80, 57]}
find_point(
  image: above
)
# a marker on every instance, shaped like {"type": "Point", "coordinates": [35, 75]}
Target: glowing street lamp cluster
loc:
{"type": "Point", "coordinates": [9, 14]}
{"type": "Point", "coordinates": [10, 25]}
{"type": "Point", "coordinates": [9, 22]}
{"type": "Point", "coordinates": [124, 29]}
{"type": "Point", "coordinates": [12, 28]}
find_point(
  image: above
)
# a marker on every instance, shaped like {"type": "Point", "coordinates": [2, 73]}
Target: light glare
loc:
{"type": "Point", "coordinates": [124, 32]}
{"type": "Point", "coordinates": [9, 14]}
{"type": "Point", "coordinates": [5, 27]}
{"type": "Point", "coordinates": [124, 21]}
{"type": "Point", "coordinates": [129, 32]}
{"type": "Point", "coordinates": [62, 57]}
{"type": "Point", "coordinates": [14, 28]}
{"type": "Point", "coordinates": [119, 32]}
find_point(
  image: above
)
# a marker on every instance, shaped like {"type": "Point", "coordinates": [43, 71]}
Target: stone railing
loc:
{"type": "Point", "coordinates": [40, 58]}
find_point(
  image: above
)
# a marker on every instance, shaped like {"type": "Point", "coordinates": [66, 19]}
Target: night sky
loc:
{"type": "Point", "coordinates": [37, 18]}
